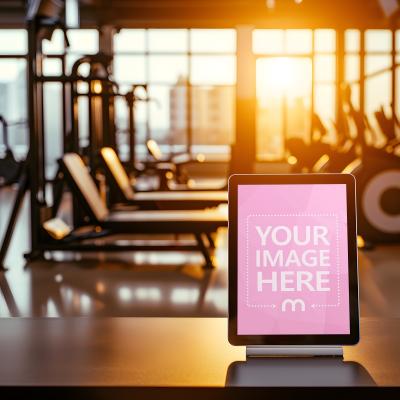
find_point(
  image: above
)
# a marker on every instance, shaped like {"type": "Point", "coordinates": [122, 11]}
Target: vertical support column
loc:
{"type": "Point", "coordinates": [189, 103]}
{"type": "Point", "coordinates": [244, 149]}
{"type": "Point", "coordinates": [312, 100]}
{"type": "Point", "coordinates": [148, 91]}
{"type": "Point", "coordinates": [107, 100]}
{"type": "Point", "coordinates": [130, 102]}
{"type": "Point", "coordinates": [362, 71]}
{"type": "Point", "coordinates": [394, 78]}
{"type": "Point", "coordinates": [361, 130]}
{"type": "Point", "coordinates": [32, 133]}
{"type": "Point", "coordinates": [40, 126]}
{"type": "Point", "coordinates": [66, 106]}
{"type": "Point", "coordinates": [106, 39]}
{"type": "Point", "coordinates": [340, 55]}
{"type": "Point", "coordinates": [35, 135]}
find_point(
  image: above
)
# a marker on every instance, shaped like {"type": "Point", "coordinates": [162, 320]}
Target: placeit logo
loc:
{"type": "Point", "coordinates": [293, 304]}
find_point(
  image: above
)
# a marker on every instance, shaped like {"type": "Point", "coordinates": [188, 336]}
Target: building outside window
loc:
{"type": "Point", "coordinates": [191, 77]}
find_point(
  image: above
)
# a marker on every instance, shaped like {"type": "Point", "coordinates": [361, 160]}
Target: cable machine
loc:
{"type": "Point", "coordinates": [44, 16]}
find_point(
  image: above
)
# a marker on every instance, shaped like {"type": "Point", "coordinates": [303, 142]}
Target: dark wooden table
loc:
{"type": "Point", "coordinates": [171, 353]}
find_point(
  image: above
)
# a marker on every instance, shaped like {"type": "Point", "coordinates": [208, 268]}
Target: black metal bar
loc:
{"type": "Point", "coordinates": [66, 115]}
{"type": "Point", "coordinates": [9, 297]}
{"type": "Point", "coordinates": [33, 133]}
{"type": "Point", "coordinates": [23, 184]}
{"type": "Point", "coordinates": [204, 251]}
{"type": "Point", "coordinates": [93, 131]}
{"type": "Point", "coordinates": [104, 133]}
{"type": "Point", "coordinates": [130, 99]}
{"type": "Point", "coordinates": [67, 78]}
{"type": "Point", "coordinates": [12, 56]}
{"type": "Point", "coordinates": [74, 134]}
{"type": "Point", "coordinates": [58, 189]}
{"type": "Point", "coordinates": [4, 125]}
{"type": "Point", "coordinates": [210, 240]}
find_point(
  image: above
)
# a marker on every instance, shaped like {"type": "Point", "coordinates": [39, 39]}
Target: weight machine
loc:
{"type": "Point", "coordinates": [43, 17]}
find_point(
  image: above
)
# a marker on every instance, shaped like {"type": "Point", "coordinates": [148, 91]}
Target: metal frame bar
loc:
{"type": "Point", "coordinates": [34, 132]}
{"type": "Point", "coordinates": [295, 351]}
{"type": "Point", "coordinates": [394, 78]}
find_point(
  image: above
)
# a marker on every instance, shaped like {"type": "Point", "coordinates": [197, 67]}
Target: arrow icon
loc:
{"type": "Point", "coordinates": [262, 305]}
{"type": "Point", "coordinates": [324, 305]}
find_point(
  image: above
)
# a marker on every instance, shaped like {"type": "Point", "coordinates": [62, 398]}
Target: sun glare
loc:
{"type": "Point", "coordinates": [279, 77]}
{"type": "Point", "coordinates": [274, 74]}
{"type": "Point", "coordinates": [281, 71]}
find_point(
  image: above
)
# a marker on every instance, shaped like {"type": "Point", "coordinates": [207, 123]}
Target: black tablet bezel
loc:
{"type": "Point", "coordinates": [243, 340]}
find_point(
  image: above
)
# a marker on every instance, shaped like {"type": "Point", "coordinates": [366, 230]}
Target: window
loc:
{"type": "Point", "coordinates": [352, 64]}
{"type": "Point", "coordinates": [324, 65]}
{"type": "Point", "coordinates": [378, 46]}
{"type": "Point", "coordinates": [377, 79]}
{"type": "Point", "coordinates": [56, 57]}
{"type": "Point", "coordinates": [296, 75]}
{"type": "Point", "coordinates": [13, 88]}
{"type": "Point", "coordinates": [191, 75]}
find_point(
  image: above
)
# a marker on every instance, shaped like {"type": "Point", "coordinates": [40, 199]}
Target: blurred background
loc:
{"type": "Point", "coordinates": [261, 86]}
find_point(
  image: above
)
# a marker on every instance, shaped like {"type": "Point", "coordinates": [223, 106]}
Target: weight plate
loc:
{"type": "Point", "coordinates": [375, 189]}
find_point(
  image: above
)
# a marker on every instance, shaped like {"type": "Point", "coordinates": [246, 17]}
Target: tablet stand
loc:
{"type": "Point", "coordinates": [294, 351]}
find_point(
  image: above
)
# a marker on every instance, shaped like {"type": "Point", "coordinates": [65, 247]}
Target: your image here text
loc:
{"type": "Point", "coordinates": [293, 258]}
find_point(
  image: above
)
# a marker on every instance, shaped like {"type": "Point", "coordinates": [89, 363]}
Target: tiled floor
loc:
{"type": "Point", "coordinates": [152, 284]}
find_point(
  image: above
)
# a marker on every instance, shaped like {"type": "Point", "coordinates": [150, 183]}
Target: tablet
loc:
{"type": "Point", "coordinates": [293, 260]}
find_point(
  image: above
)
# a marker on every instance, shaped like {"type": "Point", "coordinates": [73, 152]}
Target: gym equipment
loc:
{"type": "Point", "coordinates": [378, 191]}
{"type": "Point", "coordinates": [121, 190]}
{"type": "Point", "coordinates": [179, 161]}
{"type": "Point", "coordinates": [307, 154]}
{"type": "Point", "coordinates": [336, 158]}
{"type": "Point", "coordinates": [198, 223]}
{"type": "Point", "coordinates": [57, 228]}
{"type": "Point", "coordinates": [23, 185]}
{"type": "Point", "coordinates": [377, 172]}
{"type": "Point", "coordinates": [42, 20]}
{"type": "Point", "coordinates": [101, 94]}
{"type": "Point", "coordinates": [10, 168]}
{"type": "Point", "coordinates": [344, 151]}
{"type": "Point", "coordinates": [176, 175]}
{"type": "Point", "coordinates": [388, 127]}
{"type": "Point", "coordinates": [135, 168]}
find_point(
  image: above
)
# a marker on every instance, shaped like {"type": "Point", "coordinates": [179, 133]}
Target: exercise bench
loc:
{"type": "Point", "coordinates": [200, 223]}
{"type": "Point", "coordinates": [122, 191]}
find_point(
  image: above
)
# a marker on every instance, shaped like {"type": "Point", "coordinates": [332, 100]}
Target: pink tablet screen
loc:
{"type": "Point", "coordinates": [292, 260]}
